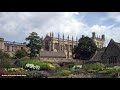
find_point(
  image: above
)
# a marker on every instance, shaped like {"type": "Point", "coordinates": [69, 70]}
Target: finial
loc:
{"type": "Point", "coordinates": [58, 35]}
{"type": "Point", "coordinates": [50, 34]}
{"type": "Point", "coordinates": [68, 36]}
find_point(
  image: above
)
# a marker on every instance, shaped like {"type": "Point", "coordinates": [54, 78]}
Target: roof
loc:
{"type": "Point", "coordinates": [98, 54]}
{"type": "Point", "coordinates": [52, 54]}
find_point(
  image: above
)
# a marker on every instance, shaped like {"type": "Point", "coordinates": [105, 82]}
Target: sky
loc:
{"type": "Point", "coordinates": [16, 26]}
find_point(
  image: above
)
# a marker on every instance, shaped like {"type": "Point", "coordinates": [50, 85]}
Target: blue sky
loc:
{"type": "Point", "coordinates": [16, 26]}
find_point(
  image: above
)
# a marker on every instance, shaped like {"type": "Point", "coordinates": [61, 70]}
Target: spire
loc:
{"type": "Point", "coordinates": [63, 36]}
{"type": "Point", "coordinates": [76, 39]}
{"type": "Point", "coordinates": [58, 35]}
{"type": "Point", "coordinates": [50, 34]}
{"type": "Point", "coordinates": [72, 38]}
{"type": "Point", "coordinates": [68, 37]}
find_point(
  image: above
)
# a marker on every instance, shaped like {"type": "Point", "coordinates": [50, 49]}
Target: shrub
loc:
{"type": "Point", "coordinates": [20, 53]}
{"type": "Point", "coordinates": [96, 66]}
{"type": "Point", "coordinates": [71, 65]}
{"type": "Point", "coordinates": [32, 67]}
{"type": "Point", "coordinates": [25, 58]}
{"type": "Point", "coordinates": [62, 72]}
{"type": "Point", "coordinates": [43, 65]}
{"type": "Point", "coordinates": [4, 59]}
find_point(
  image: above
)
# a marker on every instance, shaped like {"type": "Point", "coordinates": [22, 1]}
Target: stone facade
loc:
{"type": "Point", "coordinates": [99, 41]}
{"type": "Point", "coordinates": [62, 46]}
{"type": "Point", "coordinates": [57, 44]}
{"type": "Point", "coordinates": [111, 54]}
{"type": "Point", "coordinates": [11, 47]}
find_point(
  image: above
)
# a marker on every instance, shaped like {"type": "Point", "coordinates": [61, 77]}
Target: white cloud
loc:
{"type": "Point", "coordinates": [18, 25]}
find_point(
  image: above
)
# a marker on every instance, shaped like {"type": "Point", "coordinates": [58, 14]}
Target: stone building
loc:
{"type": "Point", "coordinates": [11, 47]}
{"type": "Point", "coordinates": [111, 54]}
{"type": "Point", "coordinates": [61, 45]}
{"type": "Point", "coordinates": [99, 41]}
{"type": "Point", "coordinates": [108, 55]}
{"type": "Point", "coordinates": [53, 47]}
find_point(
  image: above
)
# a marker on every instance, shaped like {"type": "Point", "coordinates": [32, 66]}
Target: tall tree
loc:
{"type": "Point", "coordinates": [85, 49]}
{"type": "Point", "coordinates": [35, 44]}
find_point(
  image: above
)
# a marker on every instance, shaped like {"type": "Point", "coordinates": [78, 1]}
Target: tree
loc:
{"type": "Point", "coordinates": [20, 53]}
{"type": "Point", "coordinates": [4, 59]}
{"type": "Point", "coordinates": [85, 49]}
{"type": "Point", "coordinates": [35, 44]}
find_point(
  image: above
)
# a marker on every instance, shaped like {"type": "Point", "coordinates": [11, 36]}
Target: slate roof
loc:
{"type": "Point", "coordinates": [52, 54]}
{"type": "Point", "coordinates": [98, 54]}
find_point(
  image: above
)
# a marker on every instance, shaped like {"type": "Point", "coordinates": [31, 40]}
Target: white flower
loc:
{"type": "Point", "coordinates": [31, 66]}
{"type": "Point", "coordinates": [77, 66]}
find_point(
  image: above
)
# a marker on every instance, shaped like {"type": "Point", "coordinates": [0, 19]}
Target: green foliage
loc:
{"type": "Point", "coordinates": [4, 59]}
{"type": "Point", "coordinates": [35, 44]}
{"type": "Point", "coordinates": [13, 69]}
{"type": "Point", "coordinates": [94, 67]}
{"type": "Point", "coordinates": [85, 49]}
{"type": "Point", "coordinates": [70, 65]}
{"type": "Point", "coordinates": [43, 65]}
{"type": "Point", "coordinates": [20, 53]}
{"type": "Point", "coordinates": [62, 73]}
{"type": "Point", "coordinates": [25, 58]}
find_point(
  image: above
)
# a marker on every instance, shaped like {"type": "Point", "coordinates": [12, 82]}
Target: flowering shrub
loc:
{"type": "Point", "coordinates": [50, 66]}
{"type": "Point", "coordinates": [117, 67]}
{"type": "Point", "coordinates": [77, 67]}
{"type": "Point", "coordinates": [32, 67]}
{"type": "Point", "coordinates": [14, 69]}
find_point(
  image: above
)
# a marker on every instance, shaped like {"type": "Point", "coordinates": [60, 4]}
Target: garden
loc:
{"type": "Point", "coordinates": [33, 68]}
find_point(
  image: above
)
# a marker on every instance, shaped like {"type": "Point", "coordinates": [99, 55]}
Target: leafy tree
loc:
{"type": "Point", "coordinates": [35, 44]}
{"type": "Point", "coordinates": [4, 59]}
{"type": "Point", "coordinates": [20, 53]}
{"type": "Point", "coordinates": [85, 49]}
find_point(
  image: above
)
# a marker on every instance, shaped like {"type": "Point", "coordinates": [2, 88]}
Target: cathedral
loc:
{"type": "Point", "coordinates": [57, 44]}
{"type": "Point", "coordinates": [53, 47]}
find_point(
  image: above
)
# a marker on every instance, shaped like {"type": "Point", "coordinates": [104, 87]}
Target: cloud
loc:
{"type": "Point", "coordinates": [114, 15]}
{"type": "Point", "coordinates": [17, 25]}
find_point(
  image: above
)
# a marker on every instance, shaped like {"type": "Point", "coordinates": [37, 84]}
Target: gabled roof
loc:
{"type": "Point", "coordinates": [115, 43]}
{"type": "Point", "coordinates": [98, 54]}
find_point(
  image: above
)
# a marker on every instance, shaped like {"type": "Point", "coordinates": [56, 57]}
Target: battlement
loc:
{"type": "Point", "coordinates": [102, 38]}
{"type": "Point", "coordinates": [99, 41]}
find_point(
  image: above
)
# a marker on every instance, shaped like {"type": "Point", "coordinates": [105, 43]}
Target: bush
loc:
{"type": "Point", "coordinates": [20, 53]}
{"type": "Point", "coordinates": [62, 72]}
{"type": "Point", "coordinates": [43, 65]}
{"type": "Point", "coordinates": [14, 69]}
{"type": "Point", "coordinates": [4, 59]}
{"type": "Point", "coordinates": [25, 58]}
{"type": "Point", "coordinates": [96, 66]}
